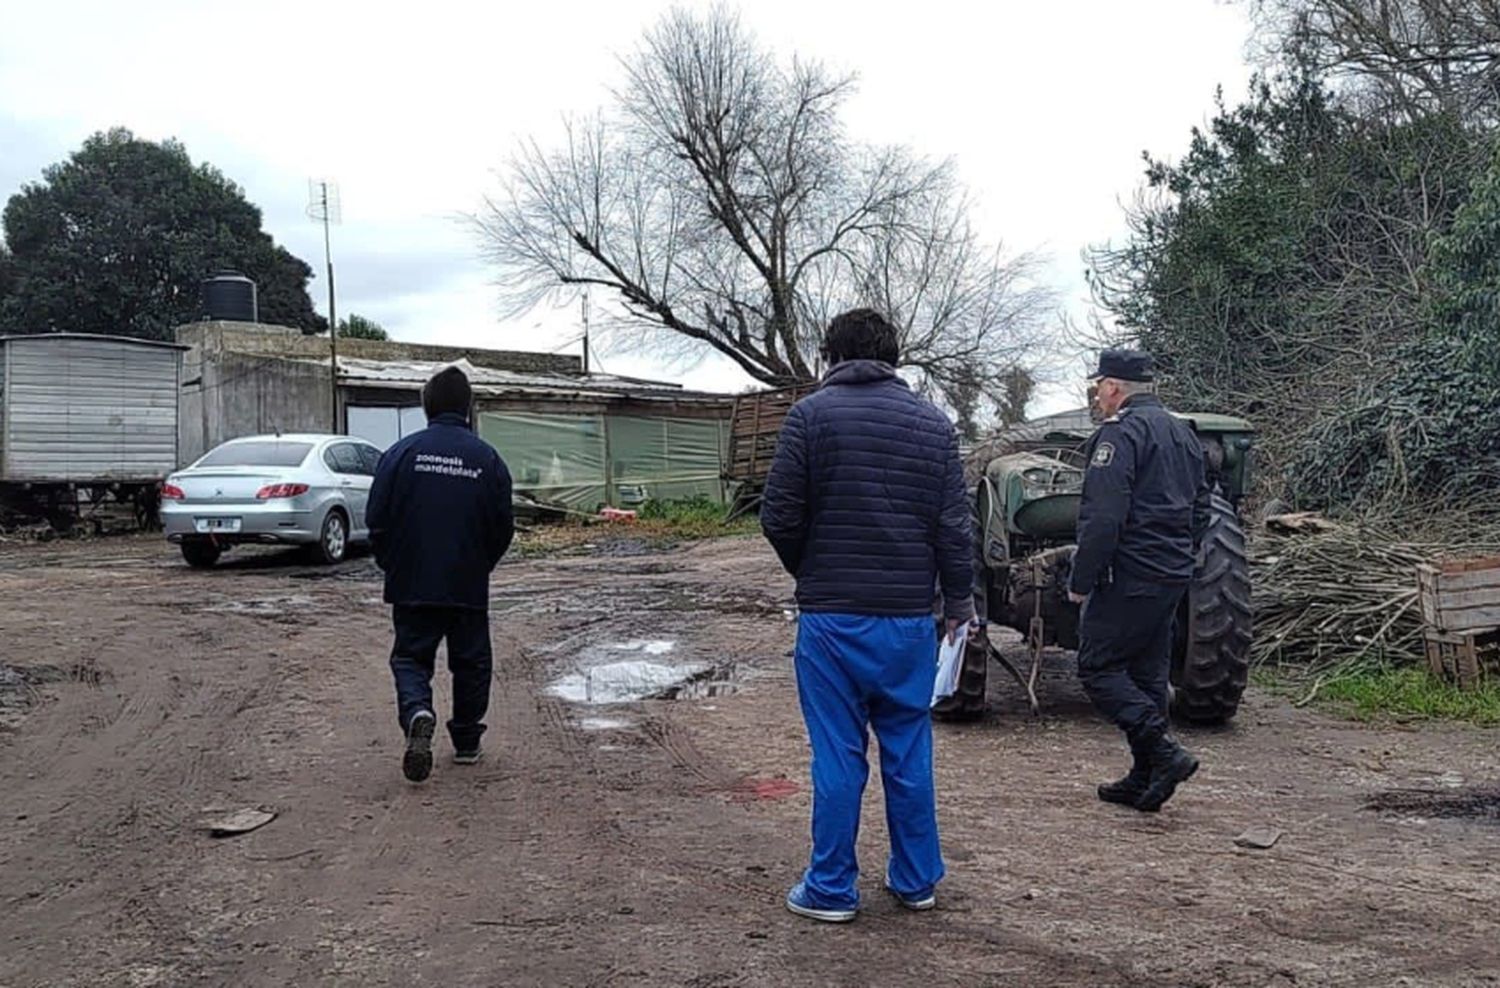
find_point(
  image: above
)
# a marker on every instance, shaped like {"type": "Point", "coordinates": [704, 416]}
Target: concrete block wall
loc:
{"type": "Point", "coordinates": [244, 395]}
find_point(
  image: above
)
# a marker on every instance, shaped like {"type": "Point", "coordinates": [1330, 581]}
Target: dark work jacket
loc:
{"type": "Point", "coordinates": [440, 516]}
{"type": "Point", "coordinates": [865, 503]}
{"type": "Point", "coordinates": [1145, 499]}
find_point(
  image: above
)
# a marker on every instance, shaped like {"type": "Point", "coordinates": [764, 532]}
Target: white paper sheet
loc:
{"type": "Point", "coordinates": [950, 659]}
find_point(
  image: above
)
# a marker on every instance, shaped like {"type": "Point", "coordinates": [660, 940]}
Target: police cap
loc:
{"type": "Point", "coordinates": [1126, 365]}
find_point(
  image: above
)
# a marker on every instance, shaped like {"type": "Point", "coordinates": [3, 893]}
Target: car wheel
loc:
{"type": "Point", "coordinates": [333, 542]}
{"type": "Point", "coordinates": [201, 553]}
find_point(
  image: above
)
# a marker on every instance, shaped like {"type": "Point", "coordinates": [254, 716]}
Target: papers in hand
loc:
{"type": "Point", "coordinates": [949, 660]}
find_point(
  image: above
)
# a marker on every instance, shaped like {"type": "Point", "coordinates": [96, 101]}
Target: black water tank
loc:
{"type": "Point", "coordinates": [230, 296]}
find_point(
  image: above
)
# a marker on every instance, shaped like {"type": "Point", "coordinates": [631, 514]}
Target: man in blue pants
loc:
{"type": "Point", "coordinates": [440, 518]}
{"type": "Point", "coordinates": [865, 505]}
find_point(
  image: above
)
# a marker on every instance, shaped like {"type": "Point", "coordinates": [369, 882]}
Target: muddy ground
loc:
{"type": "Point", "coordinates": [651, 842]}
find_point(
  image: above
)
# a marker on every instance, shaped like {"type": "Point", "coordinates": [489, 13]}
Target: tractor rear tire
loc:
{"type": "Point", "coordinates": [1211, 660]}
{"type": "Point", "coordinates": [967, 702]}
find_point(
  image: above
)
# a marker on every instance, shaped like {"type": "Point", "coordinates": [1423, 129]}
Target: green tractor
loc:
{"type": "Point", "coordinates": [1027, 486]}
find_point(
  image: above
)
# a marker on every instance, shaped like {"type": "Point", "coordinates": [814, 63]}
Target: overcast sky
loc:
{"type": "Point", "coordinates": [1045, 106]}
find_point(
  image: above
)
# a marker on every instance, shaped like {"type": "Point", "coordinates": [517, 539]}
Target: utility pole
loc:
{"type": "Point", "coordinates": [585, 331]}
{"type": "Point", "coordinates": [325, 207]}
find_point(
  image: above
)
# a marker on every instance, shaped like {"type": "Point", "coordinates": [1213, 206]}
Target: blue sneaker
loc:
{"type": "Point", "coordinates": [916, 903]}
{"type": "Point", "coordinates": [799, 902]}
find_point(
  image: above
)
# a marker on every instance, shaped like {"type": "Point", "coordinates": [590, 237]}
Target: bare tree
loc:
{"type": "Point", "coordinates": [722, 203]}
{"type": "Point", "coordinates": [1414, 56]}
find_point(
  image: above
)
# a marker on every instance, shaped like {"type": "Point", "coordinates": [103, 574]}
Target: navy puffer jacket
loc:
{"type": "Point", "coordinates": [865, 503]}
{"type": "Point", "coordinates": [440, 516]}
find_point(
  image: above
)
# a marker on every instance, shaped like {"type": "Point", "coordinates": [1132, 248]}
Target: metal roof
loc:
{"type": "Point", "coordinates": [489, 382]}
{"type": "Point", "coordinates": [93, 336]}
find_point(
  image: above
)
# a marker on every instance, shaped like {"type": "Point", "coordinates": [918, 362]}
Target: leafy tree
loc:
{"type": "Point", "coordinates": [722, 204]}
{"type": "Point", "coordinates": [1281, 262]}
{"type": "Point", "coordinates": [1464, 267]}
{"type": "Point", "coordinates": [7, 279]}
{"type": "Point", "coordinates": [357, 327]}
{"type": "Point", "coordinates": [118, 238]}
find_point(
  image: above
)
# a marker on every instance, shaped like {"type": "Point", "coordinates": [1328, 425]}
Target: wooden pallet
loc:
{"type": "Point", "coordinates": [1460, 600]}
{"type": "Point", "coordinates": [1465, 659]}
{"type": "Point", "coordinates": [754, 428]}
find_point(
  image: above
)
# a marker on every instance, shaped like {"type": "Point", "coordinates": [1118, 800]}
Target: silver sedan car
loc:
{"type": "Point", "coordinates": [310, 490]}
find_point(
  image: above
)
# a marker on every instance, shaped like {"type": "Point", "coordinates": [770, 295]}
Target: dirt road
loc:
{"type": "Point", "coordinates": [648, 842]}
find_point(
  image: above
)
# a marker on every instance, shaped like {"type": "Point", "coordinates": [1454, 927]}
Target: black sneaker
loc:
{"type": "Point", "coordinates": [467, 756]}
{"type": "Point", "coordinates": [416, 764]}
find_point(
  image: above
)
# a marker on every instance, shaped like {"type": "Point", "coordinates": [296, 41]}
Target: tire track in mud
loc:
{"type": "Point", "coordinates": [135, 753]}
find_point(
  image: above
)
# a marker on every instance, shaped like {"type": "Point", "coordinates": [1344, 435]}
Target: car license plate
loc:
{"type": "Point", "coordinates": [211, 526]}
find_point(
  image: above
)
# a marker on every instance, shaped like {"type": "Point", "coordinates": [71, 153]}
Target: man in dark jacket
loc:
{"type": "Point", "coordinates": [865, 506]}
{"type": "Point", "coordinates": [440, 518]}
{"type": "Point", "coordinates": [1145, 506]}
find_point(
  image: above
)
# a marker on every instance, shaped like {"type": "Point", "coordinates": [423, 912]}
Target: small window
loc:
{"type": "Point", "coordinates": [369, 458]}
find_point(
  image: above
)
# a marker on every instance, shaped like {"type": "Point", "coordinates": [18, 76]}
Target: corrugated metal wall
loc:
{"type": "Point", "coordinates": [87, 410]}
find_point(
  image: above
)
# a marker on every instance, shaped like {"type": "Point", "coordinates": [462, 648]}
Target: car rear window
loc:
{"type": "Point", "coordinates": [258, 454]}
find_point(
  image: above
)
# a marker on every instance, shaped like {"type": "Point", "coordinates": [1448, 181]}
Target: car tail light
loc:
{"type": "Point", "coordinates": [171, 492]}
{"type": "Point", "coordinates": [280, 490]}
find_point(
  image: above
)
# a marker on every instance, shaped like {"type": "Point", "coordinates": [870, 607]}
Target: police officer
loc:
{"type": "Point", "coordinates": [440, 518]}
{"type": "Point", "coordinates": [1145, 506]}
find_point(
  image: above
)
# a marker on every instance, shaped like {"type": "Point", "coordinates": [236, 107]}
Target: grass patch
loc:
{"type": "Point", "coordinates": [692, 518]}
{"type": "Point", "coordinates": [1407, 692]}
{"type": "Point", "coordinates": [660, 524]}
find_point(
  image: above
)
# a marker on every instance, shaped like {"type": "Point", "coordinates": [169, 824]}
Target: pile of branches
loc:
{"type": "Point", "coordinates": [1332, 597]}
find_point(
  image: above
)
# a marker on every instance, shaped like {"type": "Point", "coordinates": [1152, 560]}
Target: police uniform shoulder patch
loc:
{"type": "Point", "coordinates": [1104, 455]}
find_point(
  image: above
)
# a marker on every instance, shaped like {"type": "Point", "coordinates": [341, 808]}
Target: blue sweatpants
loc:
{"type": "Point", "coordinates": [855, 672]}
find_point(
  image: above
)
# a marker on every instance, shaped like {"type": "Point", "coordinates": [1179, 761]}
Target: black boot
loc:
{"type": "Point", "coordinates": [1126, 791]}
{"type": "Point", "coordinates": [1171, 765]}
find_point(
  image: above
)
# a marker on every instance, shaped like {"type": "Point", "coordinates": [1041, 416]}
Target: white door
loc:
{"type": "Point", "coordinates": [413, 419]}
{"type": "Point", "coordinates": [381, 426]}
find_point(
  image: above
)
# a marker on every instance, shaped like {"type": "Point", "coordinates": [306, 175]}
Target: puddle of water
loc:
{"type": "Point", "coordinates": [705, 687]}
{"type": "Point", "coordinates": [352, 574]}
{"type": "Point", "coordinates": [624, 682]}
{"type": "Point", "coordinates": [633, 680]}
{"type": "Point", "coordinates": [263, 606]}
{"type": "Point", "coordinates": [603, 724]}
{"type": "Point", "coordinates": [648, 646]}
{"type": "Point", "coordinates": [1474, 803]}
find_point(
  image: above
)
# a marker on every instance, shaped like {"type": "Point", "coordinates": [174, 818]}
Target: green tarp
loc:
{"type": "Point", "coordinates": [563, 458]}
